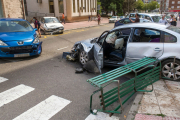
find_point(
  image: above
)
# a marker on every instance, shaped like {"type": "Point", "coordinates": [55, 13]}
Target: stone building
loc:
{"type": "Point", "coordinates": [74, 10]}
{"type": "Point", "coordinates": [13, 8]}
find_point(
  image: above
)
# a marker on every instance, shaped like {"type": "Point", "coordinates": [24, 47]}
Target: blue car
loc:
{"type": "Point", "coordinates": [18, 38]}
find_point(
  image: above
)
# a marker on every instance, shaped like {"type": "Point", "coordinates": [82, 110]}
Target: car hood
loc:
{"type": "Point", "coordinates": [54, 25]}
{"type": "Point", "coordinates": [13, 36]}
{"type": "Point", "coordinates": [87, 45]}
{"type": "Point", "coordinates": [112, 19]}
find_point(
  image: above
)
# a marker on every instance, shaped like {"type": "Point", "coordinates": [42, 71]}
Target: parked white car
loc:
{"type": "Point", "coordinates": [113, 19]}
{"type": "Point", "coordinates": [51, 25]}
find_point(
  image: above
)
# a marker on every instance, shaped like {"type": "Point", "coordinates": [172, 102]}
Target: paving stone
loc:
{"type": "Point", "coordinates": [147, 117]}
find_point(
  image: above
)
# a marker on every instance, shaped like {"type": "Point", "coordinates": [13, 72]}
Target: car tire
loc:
{"type": "Point", "coordinates": [167, 69]}
{"type": "Point", "coordinates": [83, 57]}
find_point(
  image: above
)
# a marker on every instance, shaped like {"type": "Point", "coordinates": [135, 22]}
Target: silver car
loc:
{"type": "Point", "coordinates": [50, 25]}
{"type": "Point", "coordinates": [128, 43]}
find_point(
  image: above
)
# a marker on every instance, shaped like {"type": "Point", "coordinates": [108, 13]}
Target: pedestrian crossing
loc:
{"type": "Point", "coordinates": [42, 111]}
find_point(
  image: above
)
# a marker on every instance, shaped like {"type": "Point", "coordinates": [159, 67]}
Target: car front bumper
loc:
{"type": "Point", "coordinates": [52, 31]}
{"type": "Point", "coordinates": [21, 51]}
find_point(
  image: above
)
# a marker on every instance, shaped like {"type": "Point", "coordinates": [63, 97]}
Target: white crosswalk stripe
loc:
{"type": "Point", "coordinates": [2, 79]}
{"type": "Point", "coordinates": [101, 116]}
{"type": "Point", "coordinates": [14, 93]}
{"type": "Point", "coordinates": [45, 109]}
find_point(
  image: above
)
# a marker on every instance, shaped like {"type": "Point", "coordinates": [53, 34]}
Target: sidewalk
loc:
{"type": "Point", "coordinates": [83, 24]}
{"type": "Point", "coordinates": [161, 104]}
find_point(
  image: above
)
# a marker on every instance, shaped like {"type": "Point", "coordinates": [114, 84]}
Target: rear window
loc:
{"type": "Point", "coordinates": [174, 28]}
{"type": "Point", "coordinates": [156, 18]}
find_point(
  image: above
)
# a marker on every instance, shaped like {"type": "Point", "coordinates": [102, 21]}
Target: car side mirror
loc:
{"type": "Point", "coordinates": [35, 29]}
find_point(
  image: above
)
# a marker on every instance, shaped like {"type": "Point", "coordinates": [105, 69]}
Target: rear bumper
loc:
{"type": "Point", "coordinates": [9, 52]}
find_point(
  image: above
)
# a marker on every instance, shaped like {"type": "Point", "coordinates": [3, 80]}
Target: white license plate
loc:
{"type": "Point", "coordinates": [22, 55]}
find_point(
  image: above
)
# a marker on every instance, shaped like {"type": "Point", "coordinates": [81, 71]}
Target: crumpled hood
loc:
{"type": "Point", "coordinates": [54, 25]}
{"type": "Point", "coordinates": [86, 44]}
{"type": "Point", "coordinates": [13, 36]}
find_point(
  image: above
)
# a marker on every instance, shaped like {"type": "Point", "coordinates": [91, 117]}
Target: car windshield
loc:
{"type": "Point", "coordinates": [15, 26]}
{"type": "Point", "coordinates": [174, 28]}
{"type": "Point", "coordinates": [121, 16]}
{"type": "Point", "coordinates": [156, 18]}
{"type": "Point", "coordinates": [167, 17]}
{"type": "Point", "coordinates": [51, 20]}
{"type": "Point", "coordinates": [113, 17]}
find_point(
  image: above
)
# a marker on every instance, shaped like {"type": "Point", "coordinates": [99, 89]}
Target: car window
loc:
{"type": "Point", "coordinates": [147, 17]}
{"type": "Point", "coordinates": [146, 35]}
{"type": "Point", "coordinates": [126, 21]}
{"type": "Point", "coordinates": [132, 15]}
{"type": "Point", "coordinates": [156, 18]}
{"type": "Point", "coordinates": [15, 26]}
{"type": "Point", "coordinates": [121, 21]}
{"type": "Point", "coordinates": [102, 37]}
{"type": "Point", "coordinates": [51, 20]}
{"type": "Point", "coordinates": [168, 38]}
{"type": "Point", "coordinates": [126, 31]}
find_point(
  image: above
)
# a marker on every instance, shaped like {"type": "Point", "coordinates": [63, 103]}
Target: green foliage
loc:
{"type": "Point", "coordinates": [112, 7]}
{"type": "Point", "coordinates": [153, 5]}
{"type": "Point", "coordinates": [139, 5]}
{"type": "Point", "coordinates": [99, 3]}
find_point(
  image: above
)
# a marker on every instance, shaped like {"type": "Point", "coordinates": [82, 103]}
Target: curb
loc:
{"type": "Point", "coordinates": [86, 27]}
{"type": "Point", "coordinates": [134, 107]}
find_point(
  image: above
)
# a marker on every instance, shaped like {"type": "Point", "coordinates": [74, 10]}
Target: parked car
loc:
{"type": "Point", "coordinates": [114, 19]}
{"type": "Point", "coordinates": [121, 17]}
{"type": "Point", "coordinates": [127, 21]}
{"type": "Point", "coordinates": [151, 17]}
{"type": "Point", "coordinates": [18, 38]}
{"type": "Point", "coordinates": [117, 48]}
{"type": "Point", "coordinates": [51, 25]}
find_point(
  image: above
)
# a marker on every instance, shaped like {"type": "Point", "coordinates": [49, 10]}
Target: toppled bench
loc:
{"type": "Point", "coordinates": [128, 88]}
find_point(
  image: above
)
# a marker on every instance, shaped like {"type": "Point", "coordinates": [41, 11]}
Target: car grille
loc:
{"type": "Point", "coordinates": [56, 29]}
{"type": "Point", "coordinates": [16, 50]}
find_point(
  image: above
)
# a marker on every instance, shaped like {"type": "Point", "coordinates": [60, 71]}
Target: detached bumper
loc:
{"type": "Point", "coordinates": [21, 51]}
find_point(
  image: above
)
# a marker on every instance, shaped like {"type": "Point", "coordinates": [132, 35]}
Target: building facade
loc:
{"type": "Point", "coordinates": [170, 5]}
{"type": "Point", "coordinates": [72, 9]}
{"type": "Point", "coordinates": [13, 8]}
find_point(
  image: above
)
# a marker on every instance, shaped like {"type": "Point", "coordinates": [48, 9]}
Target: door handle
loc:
{"type": "Point", "coordinates": [157, 49]}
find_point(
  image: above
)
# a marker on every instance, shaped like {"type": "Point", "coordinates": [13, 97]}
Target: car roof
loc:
{"type": "Point", "coordinates": [147, 14]}
{"type": "Point", "coordinates": [142, 25]}
{"type": "Point", "coordinates": [11, 19]}
{"type": "Point", "coordinates": [49, 17]}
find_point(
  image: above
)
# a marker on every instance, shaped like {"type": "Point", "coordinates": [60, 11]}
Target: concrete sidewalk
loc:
{"type": "Point", "coordinates": [83, 24]}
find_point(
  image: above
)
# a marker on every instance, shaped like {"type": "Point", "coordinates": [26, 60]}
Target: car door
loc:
{"type": "Point", "coordinates": [144, 43]}
{"type": "Point", "coordinates": [98, 51]}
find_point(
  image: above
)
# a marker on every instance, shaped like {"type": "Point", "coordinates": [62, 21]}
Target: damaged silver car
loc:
{"type": "Point", "coordinates": [128, 43]}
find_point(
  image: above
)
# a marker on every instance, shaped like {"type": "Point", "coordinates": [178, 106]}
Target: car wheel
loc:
{"type": "Point", "coordinates": [168, 69]}
{"type": "Point", "coordinates": [83, 57]}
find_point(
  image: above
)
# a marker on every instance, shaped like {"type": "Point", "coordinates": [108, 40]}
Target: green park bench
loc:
{"type": "Point", "coordinates": [127, 89]}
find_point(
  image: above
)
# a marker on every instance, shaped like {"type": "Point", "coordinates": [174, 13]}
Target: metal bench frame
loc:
{"type": "Point", "coordinates": [105, 79]}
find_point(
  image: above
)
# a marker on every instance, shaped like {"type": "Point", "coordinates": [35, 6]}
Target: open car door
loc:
{"type": "Point", "coordinates": [98, 51]}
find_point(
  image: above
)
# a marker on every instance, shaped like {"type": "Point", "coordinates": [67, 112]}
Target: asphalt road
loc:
{"type": "Point", "coordinates": [50, 75]}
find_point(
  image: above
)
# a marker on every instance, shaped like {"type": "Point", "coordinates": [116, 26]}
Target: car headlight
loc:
{"type": "Point", "coordinates": [2, 43]}
{"type": "Point", "coordinates": [36, 40]}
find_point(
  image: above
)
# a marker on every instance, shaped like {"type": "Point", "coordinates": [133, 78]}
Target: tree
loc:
{"type": "Point", "coordinates": [112, 7]}
{"type": "Point", "coordinates": [128, 4]}
{"type": "Point", "coordinates": [153, 5]}
{"type": "Point", "coordinates": [99, 3]}
{"type": "Point", "coordinates": [105, 5]}
{"type": "Point", "coordinates": [139, 5]}
{"type": "Point", "coordinates": [119, 7]}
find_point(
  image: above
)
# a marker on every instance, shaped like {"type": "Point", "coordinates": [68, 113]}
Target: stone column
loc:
{"type": "Point", "coordinates": [69, 9]}
{"type": "Point", "coordinates": [56, 8]}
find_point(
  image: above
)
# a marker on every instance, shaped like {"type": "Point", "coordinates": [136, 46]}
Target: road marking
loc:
{"type": "Point", "coordinates": [101, 116]}
{"type": "Point", "coordinates": [45, 109]}
{"type": "Point", "coordinates": [14, 93]}
{"type": "Point", "coordinates": [62, 48]}
{"type": "Point", "coordinates": [2, 79]}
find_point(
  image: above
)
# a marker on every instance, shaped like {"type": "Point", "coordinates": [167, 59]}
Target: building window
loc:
{"type": "Point", "coordinates": [88, 4]}
{"type": "Point", "coordinates": [61, 7]}
{"type": "Point", "coordinates": [51, 6]}
{"type": "Point", "coordinates": [81, 5]}
{"type": "Point", "coordinates": [178, 6]}
{"type": "Point", "coordinates": [74, 7]}
{"type": "Point", "coordinates": [85, 5]}
{"type": "Point", "coordinates": [78, 5]}
{"type": "Point", "coordinates": [173, 2]}
{"type": "Point", "coordinates": [172, 6]}
{"type": "Point", "coordinates": [178, 2]}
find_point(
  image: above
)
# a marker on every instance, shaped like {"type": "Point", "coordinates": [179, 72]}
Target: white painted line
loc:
{"type": "Point", "coordinates": [62, 48]}
{"type": "Point", "coordinates": [2, 79]}
{"type": "Point", "coordinates": [14, 93]}
{"type": "Point", "coordinates": [101, 116]}
{"type": "Point", "coordinates": [45, 109]}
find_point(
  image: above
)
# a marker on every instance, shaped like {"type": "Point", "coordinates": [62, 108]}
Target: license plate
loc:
{"type": "Point", "coordinates": [22, 55]}
{"type": "Point", "coordinates": [60, 31]}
